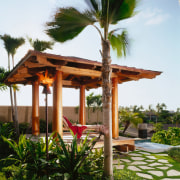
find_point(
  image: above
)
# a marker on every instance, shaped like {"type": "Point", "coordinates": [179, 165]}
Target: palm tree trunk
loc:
{"type": "Point", "coordinates": [15, 107]}
{"type": "Point", "coordinates": [107, 121]}
{"type": "Point", "coordinates": [16, 114]}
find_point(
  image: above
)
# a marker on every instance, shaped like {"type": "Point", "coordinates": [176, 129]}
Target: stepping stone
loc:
{"type": "Point", "coordinates": [138, 163]}
{"type": "Point", "coordinates": [146, 153]}
{"type": "Point", "coordinates": [126, 160]}
{"type": "Point", "coordinates": [149, 160]}
{"type": "Point", "coordinates": [137, 158]}
{"type": "Point", "coordinates": [135, 154]}
{"type": "Point", "coordinates": [163, 160]}
{"type": "Point", "coordinates": [169, 179]}
{"type": "Point", "coordinates": [133, 168]}
{"type": "Point", "coordinates": [119, 166]}
{"type": "Point", "coordinates": [116, 161]}
{"type": "Point", "coordinates": [170, 165]}
{"type": "Point", "coordinates": [151, 157]}
{"type": "Point", "coordinates": [156, 173]}
{"type": "Point", "coordinates": [163, 168]}
{"type": "Point", "coordinates": [173, 172]}
{"type": "Point", "coordinates": [145, 167]}
{"type": "Point", "coordinates": [155, 164]}
{"type": "Point", "coordinates": [162, 154]}
{"type": "Point", "coordinates": [147, 176]}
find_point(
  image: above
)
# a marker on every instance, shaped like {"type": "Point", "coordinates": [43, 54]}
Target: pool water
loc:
{"type": "Point", "coordinates": [151, 147]}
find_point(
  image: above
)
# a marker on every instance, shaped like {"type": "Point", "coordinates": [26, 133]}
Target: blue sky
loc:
{"type": "Point", "coordinates": [155, 44]}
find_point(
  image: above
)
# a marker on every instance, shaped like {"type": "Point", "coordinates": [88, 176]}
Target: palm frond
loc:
{"type": "Point", "coordinates": [40, 45]}
{"type": "Point", "coordinates": [119, 43]}
{"type": "Point", "coordinates": [120, 10]}
{"type": "Point", "coordinates": [68, 23]}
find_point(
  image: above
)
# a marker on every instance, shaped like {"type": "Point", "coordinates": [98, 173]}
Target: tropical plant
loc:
{"type": "Point", "coordinates": [3, 74]}
{"type": "Point", "coordinates": [29, 155]}
{"type": "Point", "coordinates": [11, 45]}
{"type": "Point", "coordinates": [71, 158]}
{"type": "Point", "coordinates": [128, 117]}
{"type": "Point", "coordinates": [69, 22]}
{"type": "Point", "coordinates": [170, 136]}
{"type": "Point", "coordinates": [40, 45]}
{"type": "Point", "coordinates": [89, 102]}
{"type": "Point", "coordinates": [174, 153]}
{"type": "Point", "coordinates": [94, 103]}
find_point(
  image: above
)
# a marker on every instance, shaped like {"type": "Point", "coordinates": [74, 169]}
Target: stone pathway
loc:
{"type": "Point", "coordinates": [148, 166]}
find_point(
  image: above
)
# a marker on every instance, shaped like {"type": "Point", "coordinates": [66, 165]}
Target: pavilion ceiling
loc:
{"type": "Point", "coordinates": [76, 71]}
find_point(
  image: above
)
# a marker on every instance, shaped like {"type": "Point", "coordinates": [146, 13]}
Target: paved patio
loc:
{"type": "Point", "coordinates": [147, 165]}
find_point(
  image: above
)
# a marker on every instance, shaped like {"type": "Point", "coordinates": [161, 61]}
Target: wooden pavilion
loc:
{"type": "Point", "coordinates": [70, 72]}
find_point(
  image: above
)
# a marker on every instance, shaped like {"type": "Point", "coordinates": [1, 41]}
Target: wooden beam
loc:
{"type": "Point", "coordinates": [82, 108]}
{"type": "Point", "coordinates": [57, 104]}
{"type": "Point", "coordinates": [35, 108]}
{"type": "Point", "coordinates": [82, 72]}
{"type": "Point", "coordinates": [115, 121]}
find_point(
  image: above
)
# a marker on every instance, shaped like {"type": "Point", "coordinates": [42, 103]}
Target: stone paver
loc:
{"type": "Point", "coordinates": [156, 173]}
{"type": "Point", "coordinates": [170, 165]}
{"type": "Point", "coordinates": [133, 168]}
{"type": "Point", "coordinates": [145, 167]}
{"type": "Point", "coordinates": [146, 153]}
{"type": "Point", "coordinates": [119, 166]}
{"type": "Point", "coordinates": [137, 158]}
{"type": "Point", "coordinates": [135, 154]}
{"type": "Point", "coordinates": [138, 163]}
{"type": "Point", "coordinates": [151, 157]}
{"type": "Point", "coordinates": [163, 161]}
{"type": "Point", "coordinates": [126, 160]}
{"type": "Point", "coordinates": [170, 179]}
{"type": "Point", "coordinates": [116, 161]}
{"type": "Point", "coordinates": [147, 176]}
{"type": "Point", "coordinates": [155, 164]}
{"type": "Point", "coordinates": [163, 168]}
{"type": "Point", "coordinates": [162, 154]}
{"type": "Point", "coordinates": [149, 160]}
{"type": "Point", "coordinates": [173, 172]}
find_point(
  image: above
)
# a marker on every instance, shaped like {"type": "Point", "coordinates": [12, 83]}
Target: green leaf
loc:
{"type": "Point", "coordinates": [68, 23]}
{"type": "Point", "coordinates": [119, 43]}
{"type": "Point", "coordinates": [120, 10]}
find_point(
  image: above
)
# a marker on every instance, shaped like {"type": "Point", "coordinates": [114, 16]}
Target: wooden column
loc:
{"type": "Point", "coordinates": [35, 108]}
{"type": "Point", "coordinates": [57, 124]}
{"type": "Point", "coordinates": [115, 121]}
{"type": "Point", "coordinates": [82, 108]}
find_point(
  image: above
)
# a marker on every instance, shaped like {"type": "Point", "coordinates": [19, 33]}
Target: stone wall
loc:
{"type": "Point", "coordinates": [25, 114]}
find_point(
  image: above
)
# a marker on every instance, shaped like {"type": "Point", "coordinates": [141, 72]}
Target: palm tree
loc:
{"type": "Point", "coordinates": [69, 22]}
{"type": "Point", "coordinates": [3, 74]}
{"type": "Point", "coordinates": [129, 117]}
{"type": "Point", "coordinates": [11, 45]}
{"type": "Point", "coordinates": [39, 45]}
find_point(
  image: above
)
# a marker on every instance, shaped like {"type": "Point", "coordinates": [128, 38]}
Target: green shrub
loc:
{"type": "Point", "coordinates": [125, 175]}
{"type": "Point", "coordinates": [43, 126]}
{"type": "Point", "coordinates": [175, 153]}
{"type": "Point", "coordinates": [158, 126]}
{"type": "Point", "coordinates": [170, 137]}
{"type": "Point", "coordinates": [24, 128]}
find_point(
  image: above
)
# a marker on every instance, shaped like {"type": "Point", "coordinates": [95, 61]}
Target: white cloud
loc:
{"type": "Point", "coordinates": [149, 17]}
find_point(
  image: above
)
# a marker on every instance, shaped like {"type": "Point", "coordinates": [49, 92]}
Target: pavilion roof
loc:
{"type": "Point", "coordinates": [76, 71]}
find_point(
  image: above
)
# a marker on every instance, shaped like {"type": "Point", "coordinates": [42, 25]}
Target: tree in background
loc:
{"type": "Point", "coordinates": [128, 117]}
{"type": "Point", "coordinates": [40, 45]}
{"type": "Point", "coordinates": [69, 22]}
{"type": "Point", "coordinates": [94, 103]}
{"type": "Point", "coordinates": [3, 74]}
{"type": "Point", "coordinates": [11, 45]}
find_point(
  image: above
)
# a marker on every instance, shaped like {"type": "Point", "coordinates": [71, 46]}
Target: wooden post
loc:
{"type": "Point", "coordinates": [57, 124]}
{"type": "Point", "coordinates": [115, 121]}
{"type": "Point", "coordinates": [35, 108]}
{"type": "Point", "coordinates": [82, 108]}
